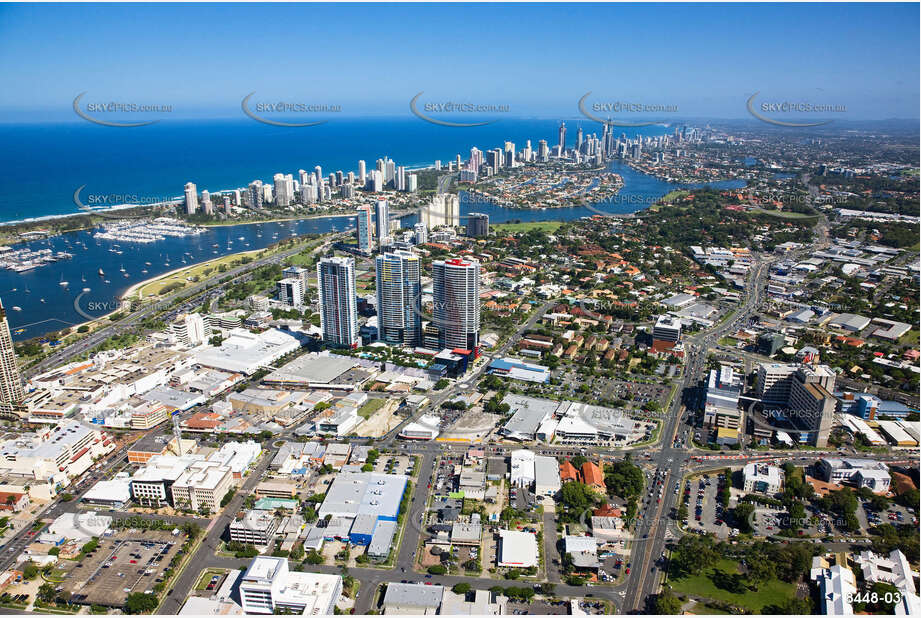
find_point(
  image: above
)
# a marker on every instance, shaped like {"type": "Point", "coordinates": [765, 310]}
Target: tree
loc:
{"type": "Point", "coordinates": [141, 603]}
{"type": "Point", "coordinates": [694, 553]}
{"type": "Point", "coordinates": [437, 569]}
{"type": "Point", "coordinates": [667, 603]}
{"type": "Point", "coordinates": [227, 497]}
{"type": "Point", "coordinates": [742, 514]}
{"type": "Point", "coordinates": [790, 607]}
{"type": "Point", "coordinates": [90, 546]}
{"type": "Point", "coordinates": [909, 499]}
{"type": "Point", "coordinates": [30, 571]}
{"type": "Point", "coordinates": [46, 593]}
{"type": "Point", "coordinates": [314, 557]}
{"type": "Point", "coordinates": [461, 588]}
{"type": "Point", "coordinates": [624, 479]}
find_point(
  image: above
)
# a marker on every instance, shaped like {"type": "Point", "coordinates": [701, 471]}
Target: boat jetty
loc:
{"type": "Point", "coordinates": [147, 231]}
{"type": "Point", "coordinates": [21, 260]}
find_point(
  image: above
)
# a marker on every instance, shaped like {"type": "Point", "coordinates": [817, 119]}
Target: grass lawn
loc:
{"type": "Point", "coordinates": [304, 258]}
{"type": "Point", "coordinates": [909, 338]}
{"type": "Point", "coordinates": [206, 576]}
{"type": "Point", "coordinates": [701, 585]}
{"type": "Point", "coordinates": [372, 406]}
{"type": "Point", "coordinates": [728, 341]}
{"type": "Point", "coordinates": [783, 214]}
{"type": "Point", "coordinates": [546, 226]}
{"type": "Point", "coordinates": [156, 286]}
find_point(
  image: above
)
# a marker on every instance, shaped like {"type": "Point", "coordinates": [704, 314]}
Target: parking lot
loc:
{"type": "Point", "coordinates": [396, 464]}
{"type": "Point", "coordinates": [895, 515]}
{"type": "Point", "coordinates": [444, 480]}
{"type": "Point", "coordinates": [120, 565]}
{"type": "Point", "coordinates": [550, 608]}
{"type": "Point", "coordinates": [771, 520]}
{"type": "Point", "coordinates": [474, 425]}
{"type": "Point", "coordinates": [704, 509]}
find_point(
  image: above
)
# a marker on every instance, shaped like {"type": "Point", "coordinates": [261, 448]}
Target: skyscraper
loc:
{"type": "Point", "coordinates": [206, 206]}
{"type": "Point", "coordinates": [562, 137]}
{"type": "Point", "coordinates": [383, 222]}
{"type": "Point", "coordinates": [362, 172]}
{"type": "Point", "coordinates": [284, 189]}
{"type": "Point", "coordinates": [456, 302]}
{"type": "Point", "coordinates": [421, 233]}
{"type": "Point", "coordinates": [444, 210]}
{"type": "Point", "coordinates": [477, 225]}
{"type": "Point", "coordinates": [338, 306]}
{"type": "Point", "coordinates": [509, 154]}
{"type": "Point", "coordinates": [10, 381]}
{"type": "Point", "coordinates": [365, 231]}
{"type": "Point", "coordinates": [191, 198]}
{"type": "Point", "coordinates": [399, 293]}
{"type": "Point", "coordinates": [254, 194]}
{"type": "Point", "coordinates": [376, 181]}
{"type": "Point", "coordinates": [291, 291]}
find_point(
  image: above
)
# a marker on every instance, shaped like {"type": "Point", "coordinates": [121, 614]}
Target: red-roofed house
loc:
{"type": "Point", "coordinates": [568, 472]}
{"type": "Point", "coordinates": [593, 477]}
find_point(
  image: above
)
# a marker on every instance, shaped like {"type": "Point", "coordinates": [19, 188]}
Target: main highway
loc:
{"type": "Point", "coordinates": [648, 552]}
{"type": "Point", "coordinates": [189, 294]}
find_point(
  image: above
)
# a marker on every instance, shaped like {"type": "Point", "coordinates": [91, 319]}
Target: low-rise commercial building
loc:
{"type": "Point", "coordinates": [761, 478]}
{"type": "Point", "coordinates": [202, 486]}
{"type": "Point", "coordinates": [861, 472]}
{"type": "Point", "coordinates": [517, 549]}
{"type": "Point", "coordinates": [255, 528]}
{"type": "Point", "coordinates": [269, 587]}
{"type": "Point", "coordinates": [546, 476]}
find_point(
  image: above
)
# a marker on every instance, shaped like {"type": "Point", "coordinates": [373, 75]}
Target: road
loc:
{"type": "Point", "coordinates": [648, 551]}
{"type": "Point", "coordinates": [190, 294]}
{"type": "Point", "coordinates": [13, 547]}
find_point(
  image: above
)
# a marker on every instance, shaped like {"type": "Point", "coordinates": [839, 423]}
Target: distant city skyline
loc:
{"type": "Point", "coordinates": [704, 60]}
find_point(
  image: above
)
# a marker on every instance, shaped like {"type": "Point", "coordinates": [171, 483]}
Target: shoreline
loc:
{"type": "Point", "coordinates": [137, 286]}
{"type": "Point", "coordinates": [176, 201]}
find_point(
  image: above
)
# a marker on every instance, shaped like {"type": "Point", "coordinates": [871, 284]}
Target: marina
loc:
{"type": "Point", "coordinates": [146, 231]}
{"type": "Point", "coordinates": [50, 305]}
{"type": "Point", "coordinates": [22, 260]}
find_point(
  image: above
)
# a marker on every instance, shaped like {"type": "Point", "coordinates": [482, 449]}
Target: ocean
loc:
{"type": "Point", "coordinates": [45, 164]}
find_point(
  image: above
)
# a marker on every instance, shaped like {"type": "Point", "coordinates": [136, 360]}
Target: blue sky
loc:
{"type": "Point", "coordinates": [537, 58]}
